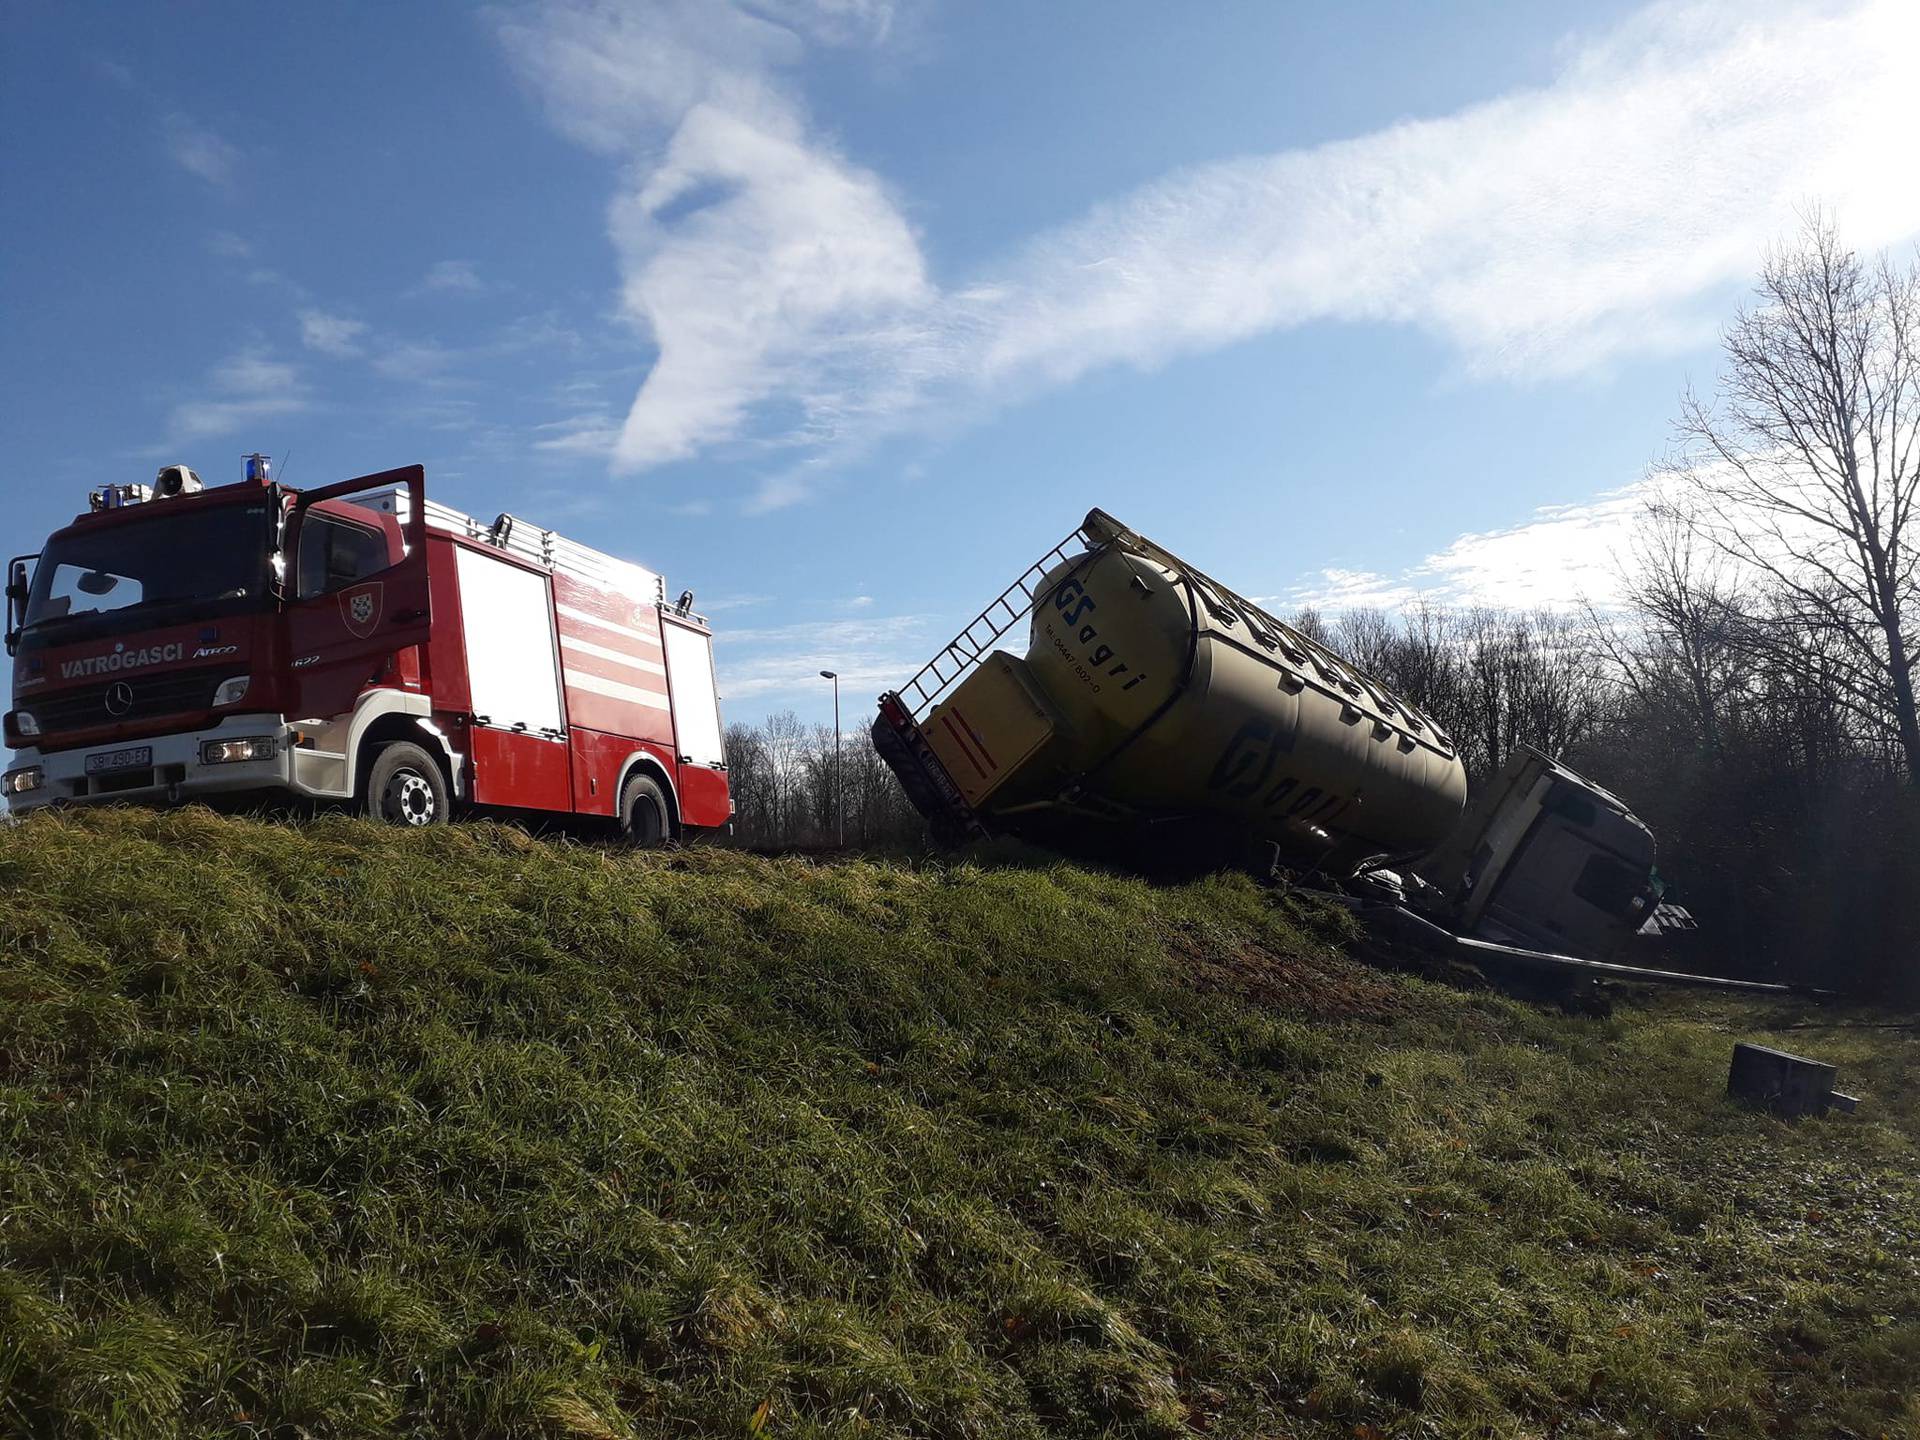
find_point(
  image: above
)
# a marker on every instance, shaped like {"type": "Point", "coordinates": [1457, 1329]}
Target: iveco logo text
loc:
{"type": "Point", "coordinates": [122, 660]}
{"type": "Point", "coordinates": [206, 650]}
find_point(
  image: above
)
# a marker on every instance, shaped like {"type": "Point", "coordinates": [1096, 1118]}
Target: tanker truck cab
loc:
{"type": "Point", "coordinates": [1544, 859]}
{"type": "Point", "coordinates": [356, 643]}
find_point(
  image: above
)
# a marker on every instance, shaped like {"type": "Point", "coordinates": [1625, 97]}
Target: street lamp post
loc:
{"type": "Point", "coordinates": [839, 789]}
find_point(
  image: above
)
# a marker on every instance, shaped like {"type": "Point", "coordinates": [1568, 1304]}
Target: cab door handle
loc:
{"type": "Point", "coordinates": [407, 617]}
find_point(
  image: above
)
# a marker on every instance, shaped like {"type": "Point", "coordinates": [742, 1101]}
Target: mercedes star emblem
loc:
{"type": "Point", "coordinates": [119, 698]}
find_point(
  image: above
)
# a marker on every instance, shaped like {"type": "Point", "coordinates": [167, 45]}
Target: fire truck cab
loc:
{"type": "Point", "coordinates": [357, 643]}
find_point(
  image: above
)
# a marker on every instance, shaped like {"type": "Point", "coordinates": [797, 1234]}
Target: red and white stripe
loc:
{"type": "Point", "coordinates": [612, 662]}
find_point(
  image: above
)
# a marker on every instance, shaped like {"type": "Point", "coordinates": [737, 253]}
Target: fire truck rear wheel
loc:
{"type": "Point", "coordinates": [405, 787]}
{"type": "Point", "coordinates": [643, 813]}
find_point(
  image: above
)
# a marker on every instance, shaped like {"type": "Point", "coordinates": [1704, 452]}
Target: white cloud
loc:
{"type": "Point", "coordinates": [230, 246]}
{"type": "Point", "coordinates": [199, 151]}
{"type": "Point", "coordinates": [732, 602]}
{"type": "Point", "coordinates": [1542, 233]}
{"type": "Point", "coordinates": [782, 489]}
{"type": "Point", "coordinates": [614, 76]}
{"type": "Point", "coordinates": [870, 654]}
{"type": "Point", "coordinates": [766, 267]}
{"type": "Point", "coordinates": [247, 389]}
{"type": "Point", "coordinates": [1335, 589]}
{"type": "Point", "coordinates": [430, 362]}
{"type": "Point", "coordinates": [459, 276]}
{"type": "Point", "coordinates": [1558, 558]}
{"type": "Point", "coordinates": [1545, 232]}
{"type": "Point", "coordinates": [252, 372]}
{"type": "Point", "coordinates": [334, 335]}
{"type": "Point", "coordinates": [782, 283]}
{"type": "Point", "coordinates": [422, 362]}
{"type": "Point", "coordinates": [589, 434]}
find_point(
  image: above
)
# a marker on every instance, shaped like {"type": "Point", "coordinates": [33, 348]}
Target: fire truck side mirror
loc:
{"type": "Point", "coordinates": [16, 602]}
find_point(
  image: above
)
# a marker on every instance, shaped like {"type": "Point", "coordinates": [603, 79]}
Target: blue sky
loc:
{"type": "Point", "coordinates": [840, 311]}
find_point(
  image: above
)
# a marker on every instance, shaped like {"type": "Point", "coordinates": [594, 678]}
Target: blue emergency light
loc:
{"type": "Point", "coordinates": [259, 469]}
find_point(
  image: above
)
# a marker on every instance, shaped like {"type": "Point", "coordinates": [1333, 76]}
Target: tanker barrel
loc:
{"type": "Point", "coordinates": [1149, 691]}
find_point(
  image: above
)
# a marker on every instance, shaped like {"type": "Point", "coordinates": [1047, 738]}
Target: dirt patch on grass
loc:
{"type": "Point", "coordinates": [1322, 986]}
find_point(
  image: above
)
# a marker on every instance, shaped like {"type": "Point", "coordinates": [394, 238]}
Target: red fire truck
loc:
{"type": "Point", "coordinates": [358, 643]}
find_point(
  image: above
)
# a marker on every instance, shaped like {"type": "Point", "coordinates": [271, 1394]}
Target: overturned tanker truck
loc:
{"type": "Point", "coordinates": [1156, 704]}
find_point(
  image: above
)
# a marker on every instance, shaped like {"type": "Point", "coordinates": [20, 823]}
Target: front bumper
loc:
{"type": "Point", "coordinates": [176, 771]}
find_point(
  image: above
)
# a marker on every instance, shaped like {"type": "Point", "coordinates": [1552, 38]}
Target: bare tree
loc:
{"type": "Point", "coordinates": [785, 739]}
{"type": "Point", "coordinates": [786, 791]}
{"type": "Point", "coordinates": [1807, 463]}
{"type": "Point", "coordinates": [1312, 624]}
{"type": "Point", "coordinates": [749, 778]}
{"type": "Point", "coordinates": [1682, 645]}
{"type": "Point", "coordinates": [1367, 639]}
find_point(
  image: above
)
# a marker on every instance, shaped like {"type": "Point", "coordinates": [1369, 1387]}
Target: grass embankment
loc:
{"type": "Point", "coordinates": [328, 1130]}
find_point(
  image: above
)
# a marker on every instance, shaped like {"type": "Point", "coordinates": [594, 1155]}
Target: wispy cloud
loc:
{"type": "Point", "coordinates": [733, 602]}
{"type": "Point", "coordinates": [594, 433]}
{"type": "Point", "coordinates": [199, 151]}
{"type": "Point", "coordinates": [1542, 233]}
{"type": "Point", "coordinates": [334, 335]}
{"type": "Point", "coordinates": [229, 246]}
{"type": "Point", "coordinates": [1559, 557]}
{"type": "Point", "coordinates": [418, 362]}
{"type": "Point", "coordinates": [458, 276]}
{"type": "Point", "coordinates": [870, 654]}
{"type": "Point", "coordinates": [432, 362]}
{"type": "Point", "coordinates": [765, 266]}
{"type": "Point", "coordinates": [246, 389]}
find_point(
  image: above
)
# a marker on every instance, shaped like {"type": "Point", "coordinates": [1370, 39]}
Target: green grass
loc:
{"type": "Point", "coordinates": [324, 1130]}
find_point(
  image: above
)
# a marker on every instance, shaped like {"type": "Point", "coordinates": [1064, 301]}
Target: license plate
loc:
{"type": "Point", "coordinates": [134, 759]}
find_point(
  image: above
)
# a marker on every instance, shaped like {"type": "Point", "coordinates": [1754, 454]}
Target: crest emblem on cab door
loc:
{"type": "Point", "coordinates": [360, 609]}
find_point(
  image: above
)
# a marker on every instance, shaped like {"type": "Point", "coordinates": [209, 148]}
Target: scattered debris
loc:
{"type": "Point", "coordinates": [1785, 1084]}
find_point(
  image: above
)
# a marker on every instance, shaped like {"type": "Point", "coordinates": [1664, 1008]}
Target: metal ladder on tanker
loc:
{"type": "Point", "coordinates": [971, 645]}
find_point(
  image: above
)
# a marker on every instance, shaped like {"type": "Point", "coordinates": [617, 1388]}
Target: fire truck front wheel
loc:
{"type": "Point", "coordinates": [405, 787]}
{"type": "Point", "coordinates": [643, 813]}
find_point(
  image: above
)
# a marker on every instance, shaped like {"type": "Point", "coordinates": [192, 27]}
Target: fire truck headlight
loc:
{"type": "Point", "coordinates": [231, 692]}
{"type": "Point", "coordinates": [226, 752]}
{"type": "Point", "coordinates": [19, 782]}
{"type": "Point", "coordinates": [24, 723]}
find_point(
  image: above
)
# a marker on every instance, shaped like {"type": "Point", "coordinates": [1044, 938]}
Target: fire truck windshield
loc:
{"type": "Point", "coordinates": [125, 576]}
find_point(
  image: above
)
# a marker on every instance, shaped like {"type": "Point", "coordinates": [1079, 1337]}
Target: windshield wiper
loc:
{"type": "Point", "coordinates": [155, 601]}
{"type": "Point", "coordinates": [54, 622]}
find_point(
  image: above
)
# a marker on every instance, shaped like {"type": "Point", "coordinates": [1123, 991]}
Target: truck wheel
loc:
{"type": "Point", "coordinates": [405, 787]}
{"type": "Point", "coordinates": [643, 813]}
